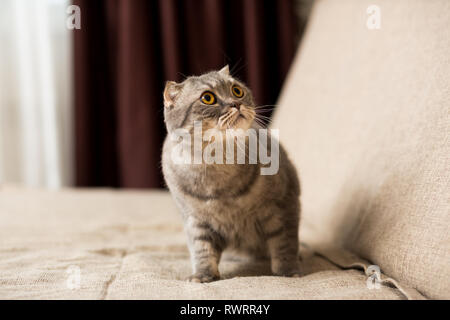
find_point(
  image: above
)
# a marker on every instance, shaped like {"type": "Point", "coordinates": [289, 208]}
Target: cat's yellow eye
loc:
{"type": "Point", "coordinates": [208, 98]}
{"type": "Point", "coordinates": [237, 91]}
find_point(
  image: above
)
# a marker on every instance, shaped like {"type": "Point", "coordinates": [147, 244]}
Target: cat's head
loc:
{"type": "Point", "coordinates": [215, 98]}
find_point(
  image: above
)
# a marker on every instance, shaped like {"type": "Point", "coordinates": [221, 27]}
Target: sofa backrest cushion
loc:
{"type": "Point", "coordinates": [365, 115]}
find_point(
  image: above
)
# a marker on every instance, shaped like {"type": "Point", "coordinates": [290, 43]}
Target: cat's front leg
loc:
{"type": "Point", "coordinates": [282, 242]}
{"type": "Point", "coordinates": [205, 246]}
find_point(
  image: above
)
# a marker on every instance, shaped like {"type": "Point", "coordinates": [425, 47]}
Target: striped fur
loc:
{"type": "Point", "coordinates": [229, 206]}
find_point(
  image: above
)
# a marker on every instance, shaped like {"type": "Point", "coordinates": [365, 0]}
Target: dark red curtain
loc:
{"type": "Point", "coordinates": [127, 49]}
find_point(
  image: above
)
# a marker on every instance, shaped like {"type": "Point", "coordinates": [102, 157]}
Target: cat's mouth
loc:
{"type": "Point", "coordinates": [236, 118]}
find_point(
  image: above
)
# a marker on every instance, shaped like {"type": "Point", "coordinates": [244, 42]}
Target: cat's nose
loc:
{"type": "Point", "coordinates": [237, 106]}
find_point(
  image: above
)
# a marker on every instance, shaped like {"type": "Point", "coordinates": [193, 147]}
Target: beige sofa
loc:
{"type": "Point", "coordinates": [365, 114]}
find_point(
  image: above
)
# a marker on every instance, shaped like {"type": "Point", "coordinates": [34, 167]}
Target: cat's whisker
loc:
{"type": "Point", "coordinates": [183, 75]}
{"type": "Point", "coordinates": [236, 69]}
{"type": "Point", "coordinates": [264, 117]}
{"type": "Point", "coordinates": [266, 105]}
{"type": "Point", "coordinates": [229, 118]}
{"type": "Point", "coordinates": [261, 122]}
{"type": "Point", "coordinates": [225, 122]}
{"type": "Point", "coordinates": [264, 110]}
{"type": "Point", "coordinates": [248, 111]}
{"type": "Point", "coordinates": [261, 115]}
{"type": "Point", "coordinates": [264, 123]}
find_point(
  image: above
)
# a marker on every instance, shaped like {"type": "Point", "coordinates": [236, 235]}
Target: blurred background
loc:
{"type": "Point", "coordinates": [83, 107]}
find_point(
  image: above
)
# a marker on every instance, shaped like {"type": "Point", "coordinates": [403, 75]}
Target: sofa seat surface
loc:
{"type": "Point", "coordinates": [131, 245]}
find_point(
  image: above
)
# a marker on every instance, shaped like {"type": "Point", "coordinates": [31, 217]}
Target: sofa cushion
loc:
{"type": "Point", "coordinates": [131, 245]}
{"type": "Point", "coordinates": [365, 115]}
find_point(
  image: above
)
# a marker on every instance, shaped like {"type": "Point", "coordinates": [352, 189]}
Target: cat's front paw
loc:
{"type": "Point", "coordinates": [290, 274]}
{"type": "Point", "coordinates": [288, 270]}
{"type": "Point", "coordinates": [204, 277]}
{"type": "Point", "coordinates": [295, 274]}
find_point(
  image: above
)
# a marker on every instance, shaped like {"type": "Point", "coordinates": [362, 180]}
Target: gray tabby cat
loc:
{"type": "Point", "coordinates": [229, 206]}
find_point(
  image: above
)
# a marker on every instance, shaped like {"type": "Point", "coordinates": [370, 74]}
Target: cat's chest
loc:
{"type": "Point", "coordinates": [235, 219]}
{"type": "Point", "coordinates": [216, 182]}
{"type": "Point", "coordinates": [232, 215]}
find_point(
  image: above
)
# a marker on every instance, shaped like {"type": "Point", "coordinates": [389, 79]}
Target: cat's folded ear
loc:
{"type": "Point", "coordinates": [171, 93]}
{"type": "Point", "coordinates": [225, 70]}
